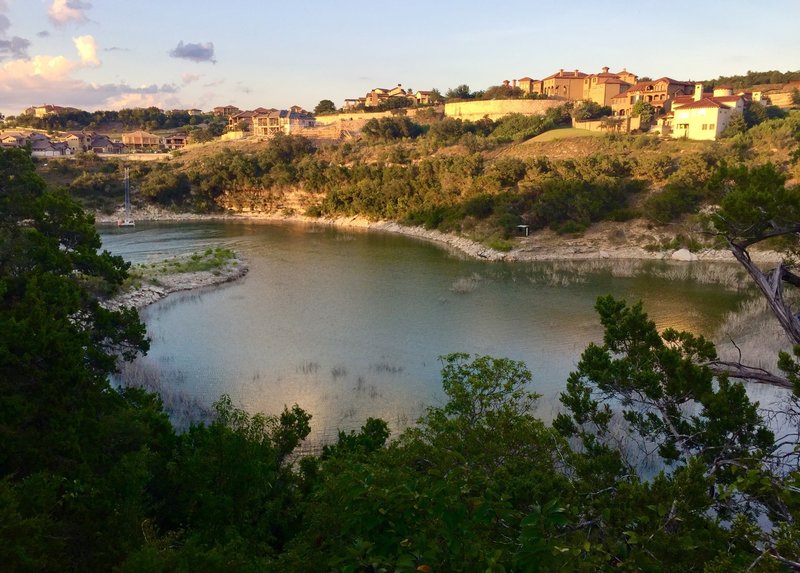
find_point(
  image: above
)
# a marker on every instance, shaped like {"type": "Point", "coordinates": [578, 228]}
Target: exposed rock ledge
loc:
{"type": "Point", "coordinates": [169, 283]}
{"type": "Point", "coordinates": [601, 241]}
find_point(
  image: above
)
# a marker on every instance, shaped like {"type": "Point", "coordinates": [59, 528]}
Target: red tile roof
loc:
{"type": "Point", "coordinates": [704, 103]}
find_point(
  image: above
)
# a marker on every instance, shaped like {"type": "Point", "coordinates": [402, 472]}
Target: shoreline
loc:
{"type": "Point", "coordinates": [594, 244]}
{"type": "Point", "coordinates": [147, 294]}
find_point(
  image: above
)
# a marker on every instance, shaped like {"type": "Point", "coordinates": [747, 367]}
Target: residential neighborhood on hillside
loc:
{"type": "Point", "coordinates": [671, 108]}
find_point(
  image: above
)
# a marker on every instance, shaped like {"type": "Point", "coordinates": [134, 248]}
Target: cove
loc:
{"type": "Point", "coordinates": [350, 324]}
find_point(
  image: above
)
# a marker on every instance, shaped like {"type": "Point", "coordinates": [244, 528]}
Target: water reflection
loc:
{"type": "Point", "coordinates": [351, 324]}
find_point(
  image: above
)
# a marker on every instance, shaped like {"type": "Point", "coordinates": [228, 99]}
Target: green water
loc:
{"type": "Point", "coordinates": [350, 324]}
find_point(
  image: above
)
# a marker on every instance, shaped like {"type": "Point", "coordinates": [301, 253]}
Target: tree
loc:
{"type": "Point", "coordinates": [325, 106]}
{"type": "Point", "coordinates": [645, 111]}
{"type": "Point", "coordinates": [736, 125]}
{"type": "Point", "coordinates": [460, 92]}
{"type": "Point", "coordinates": [70, 444]}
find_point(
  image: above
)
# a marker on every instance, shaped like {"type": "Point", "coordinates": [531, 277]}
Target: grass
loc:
{"type": "Point", "coordinates": [213, 260]}
{"type": "Point", "coordinates": [565, 133]}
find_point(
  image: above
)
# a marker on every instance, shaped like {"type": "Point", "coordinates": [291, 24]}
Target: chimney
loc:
{"type": "Point", "coordinates": [605, 69]}
{"type": "Point", "coordinates": [576, 72]}
{"type": "Point", "coordinates": [698, 92]}
{"type": "Point", "coordinates": [514, 83]}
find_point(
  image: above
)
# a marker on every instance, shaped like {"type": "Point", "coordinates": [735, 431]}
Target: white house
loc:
{"type": "Point", "coordinates": [706, 116]}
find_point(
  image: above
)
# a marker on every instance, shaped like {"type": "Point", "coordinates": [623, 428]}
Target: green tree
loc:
{"type": "Point", "coordinates": [645, 111]}
{"type": "Point", "coordinates": [325, 106]}
{"type": "Point", "coordinates": [459, 92]}
{"type": "Point", "coordinates": [76, 456]}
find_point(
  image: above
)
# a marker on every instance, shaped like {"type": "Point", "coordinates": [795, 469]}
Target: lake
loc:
{"type": "Point", "coordinates": [350, 323]}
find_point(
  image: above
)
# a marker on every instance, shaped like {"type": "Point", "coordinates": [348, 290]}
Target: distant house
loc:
{"type": "Point", "coordinates": [528, 85]}
{"type": "Point", "coordinates": [141, 140]}
{"type": "Point", "coordinates": [603, 87]}
{"type": "Point", "coordinates": [707, 115]}
{"type": "Point", "coordinates": [13, 139]}
{"type": "Point", "coordinates": [194, 111]}
{"type": "Point", "coordinates": [424, 97]}
{"type": "Point", "coordinates": [104, 144]}
{"type": "Point", "coordinates": [236, 120]}
{"type": "Point", "coordinates": [78, 141]}
{"type": "Point", "coordinates": [226, 110]}
{"type": "Point", "coordinates": [564, 85]}
{"type": "Point", "coordinates": [43, 147]}
{"type": "Point", "coordinates": [44, 110]}
{"type": "Point", "coordinates": [281, 121]}
{"type": "Point", "coordinates": [657, 93]}
{"type": "Point", "coordinates": [175, 141]}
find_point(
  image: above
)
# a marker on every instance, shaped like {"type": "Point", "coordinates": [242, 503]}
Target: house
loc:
{"type": "Point", "coordinates": [528, 85]}
{"type": "Point", "coordinates": [226, 110]}
{"type": "Point", "coordinates": [377, 96]}
{"type": "Point", "coordinates": [603, 87]}
{"type": "Point", "coordinates": [44, 110]}
{"type": "Point", "coordinates": [237, 120]}
{"type": "Point", "coordinates": [424, 97]}
{"type": "Point", "coordinates": [657, 93]}
{"type": "Point", "coordinates": [141, 140]}
{"type": "Point", "coordinates": [564, 85]}
{"type": "Point", "coordinates": [707, 115]}
{"type": "Point", "coordinates": [194, 111]}
{"type": "Point", "coordinates": [43, 147]}
{"type": "Point", "coordinates": [13, 139]}
{"type": "Point", "coordinates": [78, 141]}
{"type": "Point", "coordinates": [104, 144]}
{"type": "Point", "coordinates": [281, 121]}
{"type": "Point", "coordinates": [175, 141]}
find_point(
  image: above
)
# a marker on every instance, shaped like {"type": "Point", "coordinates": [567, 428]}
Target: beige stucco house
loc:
{"type": "Point", "coordinates": [657, 93]}
{"type": "Point", "coordinates": [707, 115]}
{"type": "Point", "coordinates": [564, 85]}
{"type": "Point", "coordinates": [281, 121]}
{"type": "Point", "coordinates": [603, 87]}
{"type": "Point", "coordinates": [141, 140]}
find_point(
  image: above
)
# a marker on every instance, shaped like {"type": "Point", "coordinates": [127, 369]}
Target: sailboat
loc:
{"type": "Point", "coordinates": [128, 220]}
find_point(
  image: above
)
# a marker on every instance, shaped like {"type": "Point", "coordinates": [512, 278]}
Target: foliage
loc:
{"type": "Point", "coordinates": [325, 106]}
{"type": "Point", "coordinates": [645, 111]}
{"type": "Point", "coordinates": [752, 78]}
{"type": "Point", "coordinates": [588, 109]}
{"type": "Point", "coordinates": [389, 128]}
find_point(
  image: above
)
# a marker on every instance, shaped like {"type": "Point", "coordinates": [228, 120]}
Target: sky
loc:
{"type": "Point", "coordinates": [181, 54]}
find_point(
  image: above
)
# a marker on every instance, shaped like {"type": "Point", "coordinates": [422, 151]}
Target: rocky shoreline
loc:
{"type": "Point", "coordinates": [166, 284]}
{"type": "Point", "coordinates": [602, 241]}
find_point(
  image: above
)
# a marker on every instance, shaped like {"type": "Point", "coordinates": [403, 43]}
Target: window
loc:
{"type": "Point", "coordinates": [711, 126]}
{"type": "Point", "coordinates": [705, 126]}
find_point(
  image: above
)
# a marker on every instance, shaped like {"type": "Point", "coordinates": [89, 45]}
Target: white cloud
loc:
{"type": "Point", "coordinates": [189, 78]}
{"type": "Point", "coordinates": [87, 49]}
{"type": "Point", "coordinates": [49, 79]}
{"type": "Point", "coordinates": [65, 11]}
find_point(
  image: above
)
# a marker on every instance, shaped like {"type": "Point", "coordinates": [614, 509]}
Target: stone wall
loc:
{"type": "Point", "coordinates": [495, 109]}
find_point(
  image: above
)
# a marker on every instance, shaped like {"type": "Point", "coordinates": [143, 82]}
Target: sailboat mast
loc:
{"type": "Point", "coordinates": [127, 196]}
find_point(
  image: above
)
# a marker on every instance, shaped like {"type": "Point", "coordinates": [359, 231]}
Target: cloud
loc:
{"type": "Point", "coordinates": [25, 82]}
{"type": "Point", "coordinates": [14, 47]}
{"type": "Point", "coordinates": [43, 34]}
{"type": "Point", "coordinates": [214, 84]}
{"type": "Point", "coordinates": [189, 78]}
{"type": "Point", "coordinates": [194, 52]}
{"type": "Point", "coordinates": [116, 49]}
{"type": "Point", "coordinates": [63, 12]}
{"type": "Point", "coordinates": [87, 50]}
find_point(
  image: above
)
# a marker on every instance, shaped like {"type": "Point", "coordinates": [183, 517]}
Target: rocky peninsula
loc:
{"type": "Point", "coordinates": [149, 283]}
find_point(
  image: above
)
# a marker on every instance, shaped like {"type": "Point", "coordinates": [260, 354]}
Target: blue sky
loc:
{"type": "Point", "coordinates": [108, 54]}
